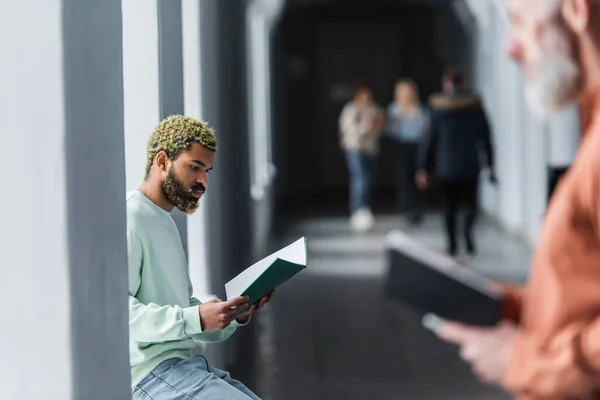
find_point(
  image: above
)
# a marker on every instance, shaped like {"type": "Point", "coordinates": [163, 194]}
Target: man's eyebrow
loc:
{"type": "Point", "coordinates": [200, 163]}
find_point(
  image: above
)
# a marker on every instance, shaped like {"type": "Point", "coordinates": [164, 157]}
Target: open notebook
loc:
{"type": "Point", "coordinates": [269, 273]}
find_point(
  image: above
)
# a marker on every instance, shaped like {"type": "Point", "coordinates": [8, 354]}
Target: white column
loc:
{"type": "Point", "coordinates": [488, 77]}
{"type": "Point", "coordinates": [140, 83]}
{"type": "Point", "coordinates": [64, 285]}
{"type": "Point", "coordinates": [510, 135]}
{"type": "Point", "coordinates": [170, 56]}
{"type": "Point", "coordinates": [563, 137]}
{"type": "Point", "coordinates": [196, 226]}
{"type": "Point", "coordinates": [152, 81]}
{"type": "Point", "coordinates": [519, 201]}
{"type": "Point", "coordinates": [535, 172]}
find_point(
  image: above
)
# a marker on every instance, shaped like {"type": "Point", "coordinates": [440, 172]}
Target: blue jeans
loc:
{"type": "Point", "coordinates": [190, 379]}
{"type": "Point", "coordinates": [362, 168]}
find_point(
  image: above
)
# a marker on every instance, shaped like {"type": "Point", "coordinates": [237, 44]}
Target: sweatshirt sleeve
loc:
{"type": "Point", "coordinates": [559, 357]}
{"type": "Point", "coordinates": [218, 336]}
{"type": "Point", "coordinates": [348, 124]}
{"type": "Point", "coordinates": [211, 337]}
{"type": "Point", "coordinates": [153, 323]}
{"type": "Point", "coordinates": [564, 363]}
{"type": "Point", "coordinates": [513, 303]}
{"type": "Point", "coordinates": [564, 366]}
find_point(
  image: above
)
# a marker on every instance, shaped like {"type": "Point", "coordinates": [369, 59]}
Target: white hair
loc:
{"type": "Point", "coordinates": [551, 6]}
{"type": "Point", "coordinates": [556, 84]}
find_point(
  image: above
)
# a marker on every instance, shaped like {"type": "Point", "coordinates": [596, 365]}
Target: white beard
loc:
{"type": "Point", "coordinates": [555, 84]}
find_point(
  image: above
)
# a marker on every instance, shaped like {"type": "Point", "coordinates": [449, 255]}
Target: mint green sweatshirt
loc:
{"type": "Point", "coordinates": [164, 321]}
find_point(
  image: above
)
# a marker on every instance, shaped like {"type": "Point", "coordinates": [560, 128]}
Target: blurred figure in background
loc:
{"type": "Point", "coordinates": [406, 124]}
{"type": "Point", "coordinates": [452, 152]}
{"type": "Point", "coordinates": [361, 123]}
{"type": "Point", "coordinates": [554, 351]}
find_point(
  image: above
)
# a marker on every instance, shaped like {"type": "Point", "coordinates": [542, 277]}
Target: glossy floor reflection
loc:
{"type": "Point", "coordinates": [332, 334]}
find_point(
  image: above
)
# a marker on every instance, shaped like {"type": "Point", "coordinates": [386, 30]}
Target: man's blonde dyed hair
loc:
{"type": "Point", "coordinates": [175, 134]}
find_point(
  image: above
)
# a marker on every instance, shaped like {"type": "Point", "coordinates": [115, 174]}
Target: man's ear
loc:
{"type": "Point", "coordinates": [162, 160]}
{"type": "Point", "coordinates": [576, 14]}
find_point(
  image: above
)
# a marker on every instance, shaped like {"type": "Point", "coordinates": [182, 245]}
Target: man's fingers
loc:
{"type": "Point", "coordinates": [230, 313]}
{"type": "Point", "coordinates": [468, 353]}
{"type": "Point", "coordinates": [454, 332]}
{"type": "Point", "coordinates": [247, 313]}
{"type": "Point", "coordinates": [271, 295]}
{"type": "Point", "coordinates": [262, 302]}
{"type": "Point", "coordinates": [237, 309]}
{"type": "Point", "coordinates": [235, 302]}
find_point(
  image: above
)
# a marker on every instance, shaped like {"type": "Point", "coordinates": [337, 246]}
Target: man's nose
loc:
{"type": "Point", "coordinates": [513, 48]}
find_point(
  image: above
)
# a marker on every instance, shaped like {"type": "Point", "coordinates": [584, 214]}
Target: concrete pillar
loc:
{"type": "Point", "coordinates": [490, 76]}
{"type": "Point", "coordinates": [227, 200]}
{"type": "Point", "coordinates": [535, 187]}
{"type": "Point", "coordinates": [140, 83]}
{"type": "Point", "coordinates": [153, 80]}
{"type": "Point", "coordinates": [223, 74]}
{"type": "Point", "coordinates": [564, 135]}
{"type": "Point", "coordinates": [511, 137]}
{"type": "Point", "coordinates": [65, 324]}
{"type": "Point", "coordinates": [171, 78]}
{"type": "Point", "coordinates": [262, 170]}
{"type": "Point", "coordinates": [563, 140]}
{"type": "Point", "coordinates": [196, 224]}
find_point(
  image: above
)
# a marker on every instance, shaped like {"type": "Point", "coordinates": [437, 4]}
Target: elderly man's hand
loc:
{"type": "Point", "coordinates": [487, 350]}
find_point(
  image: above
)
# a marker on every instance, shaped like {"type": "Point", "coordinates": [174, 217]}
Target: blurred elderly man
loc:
{"type": "Point", "coordinates": [553, 351]}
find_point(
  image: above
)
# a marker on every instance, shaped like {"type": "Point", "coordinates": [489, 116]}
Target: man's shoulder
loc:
{"type": "Point", "coordinates": [133, 203]}
{"type": "Point", "coordinates": [137, 211]}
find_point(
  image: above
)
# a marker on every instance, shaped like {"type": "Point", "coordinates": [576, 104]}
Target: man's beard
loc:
{"type": "Point", "coordinates": [556, 83]}
{"type": "Point", "coordinates": [178, 195]}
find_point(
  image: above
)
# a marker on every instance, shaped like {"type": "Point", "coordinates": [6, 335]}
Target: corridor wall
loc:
{"type": "Point", "coordinates": [64, 280]}
{"type": "Point", "coordinates": [523, 142]}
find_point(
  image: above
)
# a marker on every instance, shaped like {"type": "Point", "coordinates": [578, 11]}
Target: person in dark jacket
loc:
{"type": "Point", "coordinates": [452, 151]}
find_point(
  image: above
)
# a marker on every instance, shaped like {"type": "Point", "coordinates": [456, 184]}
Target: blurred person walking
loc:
{"type": "Point", "coordinates": [452, 151]}
{"type": "Point", "coordinates": [407, 122]}
{"type": "Point", "coordinates": [549, 347]}
{"type": "Point", "coordinates": [360, 124]}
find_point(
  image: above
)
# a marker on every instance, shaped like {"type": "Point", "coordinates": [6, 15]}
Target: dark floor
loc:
{"type": "Point", "coordinates": [332, 334]}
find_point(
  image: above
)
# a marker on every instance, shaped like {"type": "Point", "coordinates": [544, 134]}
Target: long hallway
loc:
{"type": "Point", "coordinates": [332, 334]}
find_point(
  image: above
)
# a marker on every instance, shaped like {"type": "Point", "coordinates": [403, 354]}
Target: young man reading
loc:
{"type": "Point", "coordinates": [165, 321]}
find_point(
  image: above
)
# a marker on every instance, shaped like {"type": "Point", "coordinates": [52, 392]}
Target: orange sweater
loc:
{"type": "Point", "coordinates": [557, 353]}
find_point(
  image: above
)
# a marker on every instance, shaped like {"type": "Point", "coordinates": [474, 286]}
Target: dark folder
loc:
{"type": "Point", "coordinates": [430, 282]}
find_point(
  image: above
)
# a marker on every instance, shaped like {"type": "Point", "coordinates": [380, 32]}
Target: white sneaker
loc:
{"type": "Point", "coordinates": [369, 220]}
{"type": "Point", "coordinates": [355, 221]}
{"type": "Point", "coordinates": [362, 220]}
